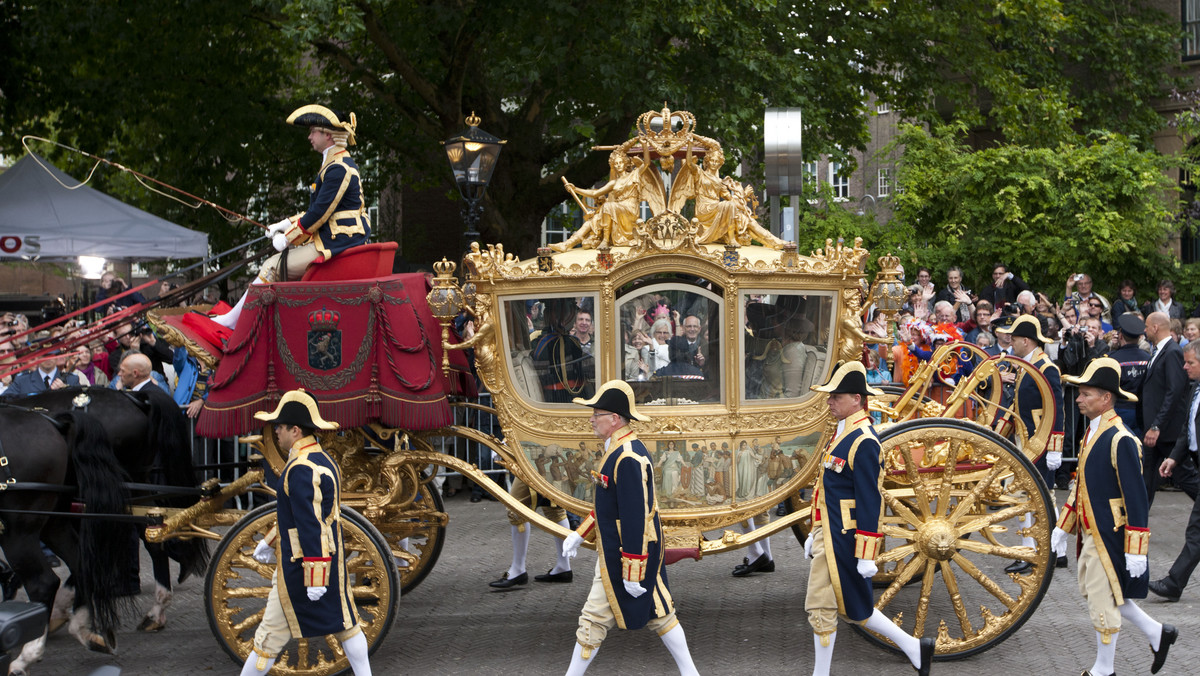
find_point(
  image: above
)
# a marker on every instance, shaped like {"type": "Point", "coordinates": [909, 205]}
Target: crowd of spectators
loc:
{"type": "Point", "coordinates": [81, 356]}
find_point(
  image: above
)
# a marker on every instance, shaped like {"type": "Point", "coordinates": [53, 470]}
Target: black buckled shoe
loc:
{"type": "Point", "coordinates": [1161, 588]}
{"type": "Point", "coordinates": [565, 576]}
{"type": "Point", "coordinates": [1018, 567]}
{"type": "Point", "coordinates": [760, 565]}
{"type": "Point", "coordinates": [1166, 638]}
{"type": "Point", "coordinates": [927, 645]}
{"type": "Point", "coordinates": [505, 583]}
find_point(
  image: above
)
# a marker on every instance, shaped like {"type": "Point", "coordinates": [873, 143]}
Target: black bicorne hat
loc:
{"type": "Point", "coordinates": [297, 408]}
{"type": "Point", "coordinates": [850, 377]}
{"type": "Point", "coordinates": [1026, 326]}
{"type": "Point", "coordinates": [615, 396]}
{"type": "Point", "coordinates": [1104, 373]}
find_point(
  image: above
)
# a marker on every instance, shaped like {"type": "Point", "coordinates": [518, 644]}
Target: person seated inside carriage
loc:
{"type": "Point", "coordinates": [336, 219]}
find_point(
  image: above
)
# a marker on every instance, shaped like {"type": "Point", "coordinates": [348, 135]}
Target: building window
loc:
{"type": "Point", "coordinates": [839, 182]}
{"type": "Point", "coordinates": [810, 174]}
{"type": "Point", "coordinates": [1191, 30]}
{"type": "Point", "coordinates": [885, 182]}
{"type": "Point", "coordinates": [561, 223]}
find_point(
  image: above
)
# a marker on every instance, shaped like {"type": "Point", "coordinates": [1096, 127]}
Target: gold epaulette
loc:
{"type": "Point", "coordinates": [867, 544]}
{"type": "Point", "coordinates": [633, 567]}
{"type": "Point", "coordinates": [1137, 540]}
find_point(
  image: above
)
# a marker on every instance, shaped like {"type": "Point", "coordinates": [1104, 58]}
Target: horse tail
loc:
{"type": "Point", "coordinates": [103, 543]}
{"type": "Point", "coordinates": [170, 435]}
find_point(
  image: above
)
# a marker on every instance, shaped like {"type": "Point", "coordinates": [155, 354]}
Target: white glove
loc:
{"type": "Point", "coordinates": [264, 553]}
{"type": "Point", "coordinates": [1134, 563]}
{"type": "Point", "coordinates": [279, 241]}
{"type": "Point", "coordinates": [1053, 460]}
{"type": "Point", "coordinates": [571, 545]}
{"type": "Point", "coordinates": [867, 567]}
{"type": "Point", "coordinates": [280, 227]}
{"type": "Point", "coordinates": [1058, 542]}
{"type": "Point", "coordinates": [315, 593]}
{"type": "Point", "coordinates": [808, 545]}
{"type": "Point", "coordinates": [634, 589]}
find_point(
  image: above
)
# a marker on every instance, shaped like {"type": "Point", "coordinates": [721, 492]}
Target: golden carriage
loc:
{"type": "Point", "coordinates": [733, 434]}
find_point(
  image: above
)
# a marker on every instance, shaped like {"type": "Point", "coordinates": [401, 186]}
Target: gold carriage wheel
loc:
{"type": "Point", "coordinates": [953, 524]}
{"type": "Point", "coordinates": [237, 586]}
{"type": "Point", "coordinates": [423, 523]}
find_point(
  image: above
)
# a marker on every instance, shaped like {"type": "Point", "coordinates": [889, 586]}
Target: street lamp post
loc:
{"type": "Point", "coordinates": [472, 154]}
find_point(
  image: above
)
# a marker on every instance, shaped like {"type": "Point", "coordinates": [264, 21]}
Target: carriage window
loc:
{"type": "Point", "coordinates": [786, 343]}
{"type": "Point", "coordinates": [551, 345]}
{"type": "Point", "coordinates": [670, 338]}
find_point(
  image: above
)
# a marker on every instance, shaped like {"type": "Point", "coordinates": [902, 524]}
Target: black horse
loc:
{"type": "Point", "coordinates": [67, 449]}
{"type": "Point", "coordinates": [152, 442]}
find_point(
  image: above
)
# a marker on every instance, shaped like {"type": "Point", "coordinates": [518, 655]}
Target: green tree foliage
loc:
{"type": "Point", "coordinates": [1095, 206]}
{"type": "Point", "coordinates": [193, 91]}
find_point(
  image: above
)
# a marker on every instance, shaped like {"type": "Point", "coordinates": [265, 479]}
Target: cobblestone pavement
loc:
{"type": "Point", "coordinates": [453, 623]}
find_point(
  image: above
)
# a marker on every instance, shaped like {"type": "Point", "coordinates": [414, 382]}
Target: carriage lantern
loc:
{"type": "Point", "coordinates": [472, 154]}
{"type": "Point", "coordinates": [445, 301]}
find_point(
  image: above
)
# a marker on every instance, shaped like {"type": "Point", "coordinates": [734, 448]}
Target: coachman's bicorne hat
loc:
{"type": "Point", "coordinates": [1104, 373]}
{"type": "Point", "coordinates": [850, 377]}
{"type": "Point", "coordinates": [297, 408]}
{"type": "Point", "coordinates": [615, 396]}
{"type": "Point", "coordinates": [324, 118]}
{"type": "Point", "coordinates": [1026, 326]}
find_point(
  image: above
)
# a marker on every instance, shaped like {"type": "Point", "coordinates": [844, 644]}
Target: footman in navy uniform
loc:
{"type": "Point", "coordinates": [629, 589]}
{"type": "Point", "coordinates": [847, 503]}
{"type": "Point", "coordinates": [1108, 511]}
{"type": "Point", "coordinates": [310, 594]}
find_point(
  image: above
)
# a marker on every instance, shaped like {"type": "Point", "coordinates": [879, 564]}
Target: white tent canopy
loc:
{"type": "Point", "coordinates": [44, 219]}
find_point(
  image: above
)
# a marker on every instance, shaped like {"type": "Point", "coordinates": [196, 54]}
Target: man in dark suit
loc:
{"type": "Point", "coordinates": [1171, 586]}
{"type": "Point", "coordinates": [42, 379]}
{"type": "Point", "coordinates": [1163, 405]}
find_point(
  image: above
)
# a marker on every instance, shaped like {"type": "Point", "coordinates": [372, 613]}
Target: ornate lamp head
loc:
{"type": "Point", "coordinates": [888, 292]}
{"type": "Point", "coordinates": [445, 299]}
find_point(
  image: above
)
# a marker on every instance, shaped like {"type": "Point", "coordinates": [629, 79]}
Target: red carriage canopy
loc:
{"type": "Point", "coordinates": [368, 350]}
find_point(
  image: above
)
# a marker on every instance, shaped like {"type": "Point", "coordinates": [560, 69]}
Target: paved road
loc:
{"type": "Point", "coordinates": [454, 624]}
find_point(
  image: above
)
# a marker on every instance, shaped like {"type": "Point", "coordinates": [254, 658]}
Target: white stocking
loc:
{"type": "Point", "coordinates": [250, 668]}
{"type": "Point", "coordinates": [520, 542]}
{"type": "Point", "coordinates": [824, 654]}
{"type": "Point", "coordinates": [578, 664]}
{"type": "Point", "coordinates": [884, 627]}
{"type": "Point", "coordinates": [356, 651]}
{"type": "Point", "coordinates": [229, 319]}
{"type": "Point", "coordinates": [1027, 522]}
{"type": "Point", "coordinates": [1106, 654]}
{"type": "Point", "coordinates": [676, 642]}
{"type": "Point", "coordinates": [563, 564]}
{"type": "Point", "coordinates": [754, 549]}
{"type": "Point", "coordinates": [1148, 625]}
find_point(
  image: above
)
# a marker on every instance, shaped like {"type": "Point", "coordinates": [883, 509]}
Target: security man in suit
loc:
{"type": "Point", "coordinates": [629, 589]}
{"type": "Point", "coordinates": [843, 552]}
{"type": "Point", "coordinates": [1027, 341]}
{"type": "Point", "coordinates": [1109, 513]}
{"type": "Point", "coordinates": [1163, 406]}
{"type": "Point", "coordinates": [316, 598]}
{"type": "Point", "coordinates": [336, 219]}
{"type": "Point", "coordinates": [1171, 586]}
